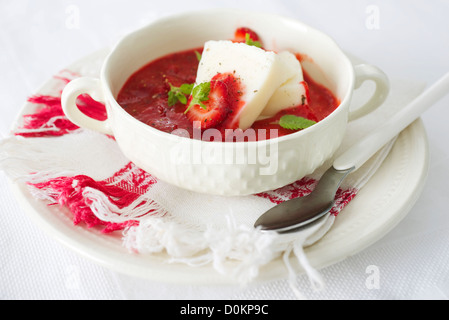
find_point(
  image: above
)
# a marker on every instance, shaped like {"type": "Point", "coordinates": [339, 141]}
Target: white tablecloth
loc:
{"type": "Point", "coordinates": [404, 38]}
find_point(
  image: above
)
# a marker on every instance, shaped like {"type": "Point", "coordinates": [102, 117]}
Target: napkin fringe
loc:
{"type": "Point", "coordinates": [233, 250]}
{"type": "Point", "coordinates": [119, 198]}
{"type": "Point", "coordinates": [77, 194]}
{"type": "Point", "coordinates": [292, 276]}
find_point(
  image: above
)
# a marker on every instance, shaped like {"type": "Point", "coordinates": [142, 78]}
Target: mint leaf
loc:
{"type": "Point", "coordinates": [293, 122]}
{"type": "Point", "coordinates": [251, 42]}
{"type": "Point", "coordinates": [172, 99]}
{"type": "Point", "coordinates": [200, 93]}
{"type": "Point", "coordinates": [186, 88]}
{"type": "Point", "coordinates": [179, 94]}
{"type": "Point", "coordinates": [198, 55]}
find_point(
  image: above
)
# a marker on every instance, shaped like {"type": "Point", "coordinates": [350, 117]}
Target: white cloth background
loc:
{"type": "Point", "coordinates": [405, 38]}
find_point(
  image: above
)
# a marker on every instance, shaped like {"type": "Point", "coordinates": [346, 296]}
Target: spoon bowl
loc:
{"type": "Point", "coordinates": [296, 213]}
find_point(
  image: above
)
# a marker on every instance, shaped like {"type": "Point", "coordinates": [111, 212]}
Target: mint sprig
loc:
{"type": "Point", "coordinates": [198, 55]}
{"type": "Point", "coordinates": [293, 122]}
{"type": "Point", "coordinates": [251, 42]}
{"type": "Point", "coordinates": [200, 93]}
{"type": "Point", "coordinates": [179, 93]}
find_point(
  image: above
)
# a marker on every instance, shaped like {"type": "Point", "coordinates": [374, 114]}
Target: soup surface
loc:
{"type": "Point", "coordinates": [145, 97]}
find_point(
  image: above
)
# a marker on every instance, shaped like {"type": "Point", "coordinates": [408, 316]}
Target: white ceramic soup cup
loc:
{"type": "Point", "coordinates": [225, 168]}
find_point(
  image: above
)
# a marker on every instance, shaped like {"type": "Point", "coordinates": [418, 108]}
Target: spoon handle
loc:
{"type": "Point", "coordinates": [359, 153]}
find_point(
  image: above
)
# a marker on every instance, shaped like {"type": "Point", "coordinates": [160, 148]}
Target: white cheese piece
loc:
{"type": "Point", "coordinates": [260, 72]}
{"type": "Point", "coordinates": [289, 94]}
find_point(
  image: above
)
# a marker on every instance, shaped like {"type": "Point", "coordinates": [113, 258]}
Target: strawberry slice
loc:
{"type": "Point", "coordinates": [216, 108]}
{"type": "Point", "coordinates": [240, 34]}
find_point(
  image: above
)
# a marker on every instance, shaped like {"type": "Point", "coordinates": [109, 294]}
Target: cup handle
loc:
{"type": "Point", "coordinates": [365, 72]}
{"type": "Point", "coordinates": [72, 90]}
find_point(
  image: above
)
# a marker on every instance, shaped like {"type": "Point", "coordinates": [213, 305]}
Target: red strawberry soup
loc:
{"type": "Point", "coordinates": [162, 95]}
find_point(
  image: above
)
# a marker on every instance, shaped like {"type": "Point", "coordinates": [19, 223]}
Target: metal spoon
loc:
{"type": "Point", "coordinates": [295, 214]}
